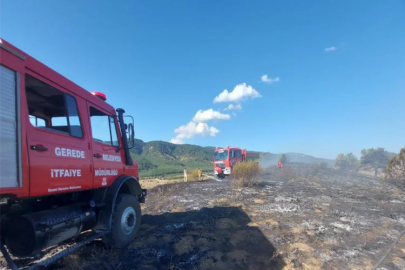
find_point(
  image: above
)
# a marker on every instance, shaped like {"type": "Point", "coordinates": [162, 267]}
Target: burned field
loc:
{"type": "Point", "coordinates": [297, 218]}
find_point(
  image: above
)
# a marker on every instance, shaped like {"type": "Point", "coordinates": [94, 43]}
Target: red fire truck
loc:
{"type": "Point", "coordinates": [65, 163]}
{"type": "Point", "coordinates": [225, 158]}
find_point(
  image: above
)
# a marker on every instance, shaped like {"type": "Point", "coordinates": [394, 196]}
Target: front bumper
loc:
{"type": "Point", "coordinates": [226, 171]}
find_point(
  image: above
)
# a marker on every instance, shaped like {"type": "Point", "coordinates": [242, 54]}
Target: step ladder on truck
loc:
{"type": "Point", "coordinates": [65, 163]}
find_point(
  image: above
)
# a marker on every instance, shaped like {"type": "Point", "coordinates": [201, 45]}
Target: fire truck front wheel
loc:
{"type": "Point", "coordinates": [126, 222]}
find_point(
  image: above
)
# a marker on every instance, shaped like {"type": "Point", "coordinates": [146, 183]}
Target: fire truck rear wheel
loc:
{"type": "Point", "coordinates": [126, 222]}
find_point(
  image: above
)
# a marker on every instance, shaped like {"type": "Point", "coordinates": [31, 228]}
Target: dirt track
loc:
{"type": "Point", "coordinates": [298, 218]}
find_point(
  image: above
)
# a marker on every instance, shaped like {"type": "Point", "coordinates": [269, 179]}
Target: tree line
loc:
{"type": "Point", "coordinates": [377, 158]}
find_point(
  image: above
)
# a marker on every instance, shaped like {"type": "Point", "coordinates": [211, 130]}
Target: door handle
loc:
{"type": "Point", "coordinates": [97, 155]}
{"type": "Point", "coordinates": [38, 148]}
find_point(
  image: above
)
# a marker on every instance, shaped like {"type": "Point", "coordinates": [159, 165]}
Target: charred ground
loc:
{"type": "Point", "coordinates": [299, 217]}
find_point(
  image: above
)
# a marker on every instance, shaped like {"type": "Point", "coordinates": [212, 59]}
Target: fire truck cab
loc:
{"type": "Point", "coordinates": [65, 162]}
{"type": "Point", "coordinates": [226, 158]}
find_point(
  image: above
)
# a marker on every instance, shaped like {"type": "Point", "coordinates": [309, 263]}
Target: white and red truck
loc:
{"type": "Point", "coordinates": [226, 158]}
{"type": "Point", "coordinates": [65, 162]}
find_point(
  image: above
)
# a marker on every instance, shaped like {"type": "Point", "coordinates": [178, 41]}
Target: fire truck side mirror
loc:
{"type": "Point", "coordinates": [131, 135]}
{"type": "Point", "coordinates": [129, 129]}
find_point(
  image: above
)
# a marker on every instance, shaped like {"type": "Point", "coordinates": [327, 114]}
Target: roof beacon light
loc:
{"type": "Point", "coordinates": [99, 95]}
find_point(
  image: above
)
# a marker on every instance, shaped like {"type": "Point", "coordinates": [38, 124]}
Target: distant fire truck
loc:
{"type": "Point", "coordinates": [65, 163]}
{"type": "Point", "coordinates": [226, 158]}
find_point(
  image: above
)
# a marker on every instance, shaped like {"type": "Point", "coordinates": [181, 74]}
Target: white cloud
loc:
{"type": "Point", "coordinates": [331, 49]}
{"type": "Point", "coordinates": [239, 93]}
{"type": "Point", "coordinates": [237, 107]}
{"type": "Point", "coordinates": [193, 129]}
{"type": "Point", "coordinates": [210, 114]}
{"type": "Point", "coordinates": [176, 141]}
{"type": "Point", "coordinates": [198, 125]}
{"type": "Point", "coordinates": [266, 79]}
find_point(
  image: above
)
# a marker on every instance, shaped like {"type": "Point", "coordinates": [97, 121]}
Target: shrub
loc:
{"type": "Point", "coordinates": [323, 165]}
{"type": "Point", "coordinates": [287, 173]}
{"type": "Point", "coordinates": [347, 162]}
{"type": "Point", "coordinates": [192, 175]}
{"type": "Point", "coordinates": [246, 174]}
{"type": "Point", "coordinates": [396, 167]}
{"type": "Point", "coordinates": [314, 168]}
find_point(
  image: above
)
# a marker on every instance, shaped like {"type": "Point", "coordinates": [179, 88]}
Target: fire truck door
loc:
{"type": "Point", "coordinates": [231, 158]}
{"type": "Point", "coordinates": [236, 156]}
{"type": "Point", "coordinates": [58, 149]}
{"type": "Point", "coordinates": [107, 154]}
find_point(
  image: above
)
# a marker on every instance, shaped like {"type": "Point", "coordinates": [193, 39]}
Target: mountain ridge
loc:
{"type": "Point", "coordinates": [162, 158]}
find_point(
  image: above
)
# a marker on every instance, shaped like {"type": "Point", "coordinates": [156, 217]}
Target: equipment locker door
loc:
{"type": "Point", "coordinates": [59, 153]}
{"type": "Point", "coordinates": [10, 175]}
{"type": "Point", "coordinates": [107, 157]}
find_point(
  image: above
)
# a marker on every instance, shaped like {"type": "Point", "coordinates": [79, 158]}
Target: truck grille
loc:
{"type": "Point", "coordinates": [220, 165]}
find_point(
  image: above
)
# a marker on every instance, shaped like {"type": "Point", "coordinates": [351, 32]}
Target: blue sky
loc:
{"type": "Point", "coordinates": [165, 60]}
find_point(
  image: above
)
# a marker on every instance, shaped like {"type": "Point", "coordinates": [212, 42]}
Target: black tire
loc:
{"type": "Point", "coordinates": [126, 221]}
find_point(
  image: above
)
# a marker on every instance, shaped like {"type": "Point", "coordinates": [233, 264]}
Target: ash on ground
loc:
{"type": "Point", "coordinates": [297, 218]}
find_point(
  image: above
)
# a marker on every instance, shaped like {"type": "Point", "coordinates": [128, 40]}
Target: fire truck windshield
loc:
{"type": "Point", "coordinates": [221, 155]}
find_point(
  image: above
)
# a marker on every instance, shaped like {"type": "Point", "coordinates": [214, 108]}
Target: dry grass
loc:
{"type": "Point", "coordinates": [315, 168]}
{"type": "Point", "coordinates": [246, 174]}
{"type": "Point", "coordinates": [222, 200]}
{"type": "Point", "coordinates": [161, 193]}
{"type": "Point", "coordinates": [288, 173]}
{"type": "Point", "coordinates": [152, 183]}
{"type": "Point", "coordinates": [259, 201]}
{"type": "Point", "coordinates": [292, 174]}
{"type": "Point", "coordinates": [164, 190]}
